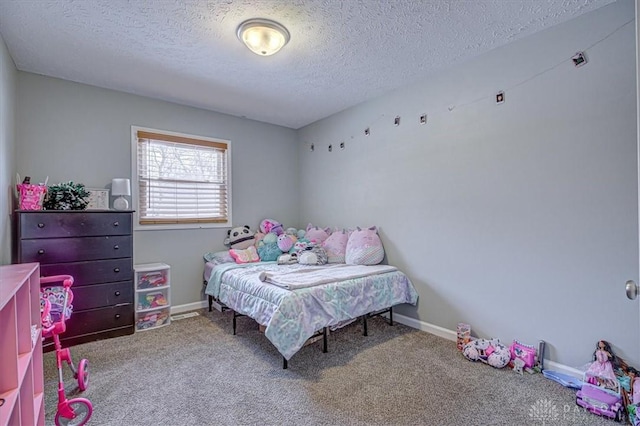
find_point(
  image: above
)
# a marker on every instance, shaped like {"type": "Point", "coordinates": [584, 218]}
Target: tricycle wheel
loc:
{"type": "Point", "coordinates": [83, 374]}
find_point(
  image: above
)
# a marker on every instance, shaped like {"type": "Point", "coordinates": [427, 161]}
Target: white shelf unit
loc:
{"type": "Point", "coordinates": [21, 375]}
{"type": "Point", "coordinates": [153, 295]}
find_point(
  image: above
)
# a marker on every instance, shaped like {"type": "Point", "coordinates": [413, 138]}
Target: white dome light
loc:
{"type": "Point", "coordinates": [262, 36]}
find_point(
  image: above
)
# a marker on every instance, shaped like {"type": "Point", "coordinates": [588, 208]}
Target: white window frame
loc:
{"type": "Point", "coordinates": [135, 184]}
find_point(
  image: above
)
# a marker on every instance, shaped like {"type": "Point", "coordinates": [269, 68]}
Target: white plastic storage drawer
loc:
{"type": "Point", "coordinates": [152, 319]}
{"type": "Point", "coordinates": [153, 298]}
{"type": "Point", "coordinates": [151, 275]}
{"type": "Point", "coordinates": [153, 295]}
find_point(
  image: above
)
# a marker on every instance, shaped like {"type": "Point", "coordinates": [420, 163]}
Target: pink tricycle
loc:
{"type": "Point", "coordinates": [55, 309]}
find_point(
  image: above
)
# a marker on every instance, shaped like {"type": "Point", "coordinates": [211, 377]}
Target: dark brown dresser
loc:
{"type": "Point", "coordinates": [96, 248]}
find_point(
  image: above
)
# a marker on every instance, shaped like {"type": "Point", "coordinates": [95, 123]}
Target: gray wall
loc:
{"type": "Point", "coordinates": [7, 149]}
{"type": "Point", "coordinates": [71, 131]}
{"type": "Point", "coordinates": [521, 218]}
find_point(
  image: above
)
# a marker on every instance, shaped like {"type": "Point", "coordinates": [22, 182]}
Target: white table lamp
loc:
{"type": "Point", "coordinates": [120, 187]}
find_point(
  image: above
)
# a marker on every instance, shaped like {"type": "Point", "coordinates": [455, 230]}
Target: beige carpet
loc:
{"type": "Point", "coordinates": [195, 372]}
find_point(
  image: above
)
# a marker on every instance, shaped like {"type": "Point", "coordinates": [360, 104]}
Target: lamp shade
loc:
{"type": "Point", "coordinates": [120, 186]}
{"type": "Point", "coordinates": [263, 36]}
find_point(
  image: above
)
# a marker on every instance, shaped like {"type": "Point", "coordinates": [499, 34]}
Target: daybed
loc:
{"type": "Point", "coordinates": [295, 302]}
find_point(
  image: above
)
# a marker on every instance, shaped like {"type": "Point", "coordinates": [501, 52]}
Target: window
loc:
{"type": "Point", "coordinates": [182, 181]}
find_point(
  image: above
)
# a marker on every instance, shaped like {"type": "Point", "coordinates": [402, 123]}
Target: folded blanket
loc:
{"type": "Point", "coordinates": [317, 275]}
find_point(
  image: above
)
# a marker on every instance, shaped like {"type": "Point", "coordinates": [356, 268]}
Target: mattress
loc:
{"type": "Point", "coordinates": [292, 316]}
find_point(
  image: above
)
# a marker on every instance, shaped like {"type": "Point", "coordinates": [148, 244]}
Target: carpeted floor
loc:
{"type": "Point", "coordinates": [195, 372]}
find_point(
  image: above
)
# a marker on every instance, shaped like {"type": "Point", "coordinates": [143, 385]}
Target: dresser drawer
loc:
{"type": "Point", "coordinates": [101, 295]}
{"type": "Point", "coordinates": [92, 272]}
{"type": "Point", "coordinates": [99, 320]}
{"type": "Point", "coordinates": [73, 224]}
{"type": "Point", "coordinates": [57, 250]}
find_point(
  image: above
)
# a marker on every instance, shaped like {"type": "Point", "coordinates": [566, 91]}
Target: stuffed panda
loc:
{"type": "Point", "coordinates": [240, 237]}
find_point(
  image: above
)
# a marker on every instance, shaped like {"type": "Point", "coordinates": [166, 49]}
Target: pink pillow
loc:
{"type": "Point", "coordinates": [364, 247]}
{"type": "Point", "coordinates": [336, 246]}
{"type": "Point", "coordinates": [245, 255]}
{"type": "Point", "coordinates": [316, 234]}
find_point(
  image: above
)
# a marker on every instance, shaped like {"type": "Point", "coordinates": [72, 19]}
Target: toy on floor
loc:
{"type": "Point", "coordinates": [523, 357]}
{"type": "Point", "coordinates": [565, 380]}
{"type": "Point", "coordinates": [601, 396]}
{"type": "Point", "coordinates": [603, 360]}
{"type": "Point", "coordinates": [489, 351]}
{"type": "Point", "coordinates": [602, 393]}
{"type": "Point", "coordinates": [463, 333]}
{"type": "Point", "coordinates": [55, 309]}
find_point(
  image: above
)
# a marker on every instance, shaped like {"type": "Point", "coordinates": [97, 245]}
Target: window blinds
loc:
{"type": "Point", "coordinates": [181, 180]}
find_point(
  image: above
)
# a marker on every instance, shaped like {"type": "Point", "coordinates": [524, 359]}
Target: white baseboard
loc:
{"type": "Point", "coordinates": [452, 335]}
{"type": "Point", "coordinates": [550, 365]}
{"type": "Point", "coordinates": [425, 326]}
{"type": "Point", "coordinates": [178, 309]}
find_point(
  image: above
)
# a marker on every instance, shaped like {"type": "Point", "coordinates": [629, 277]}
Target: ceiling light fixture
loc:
{"type": "Point", "coordinates": [263, 36]}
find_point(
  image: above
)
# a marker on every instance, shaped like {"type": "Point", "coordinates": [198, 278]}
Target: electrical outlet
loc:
{"type": "Point", "coordinates": [341, 145]}
{"type": "Point", "coordinates": [500, 97]}
{"type": "Point", "coordinates": [367, 131]}
{"type": "Point", "coordinates": [312, 147]}
{"type": "Point", "coordinates": [330, 148]}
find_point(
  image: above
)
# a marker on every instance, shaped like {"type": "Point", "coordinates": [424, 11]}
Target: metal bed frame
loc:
{"type": "Point", "coordinates": [215, 303]}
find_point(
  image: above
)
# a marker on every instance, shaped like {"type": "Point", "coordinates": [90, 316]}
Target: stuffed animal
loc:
{"type": "Point", "coordinates": [317, 235]}
{"type": "Point", "coordinates": [300, 245]}
{"type": "Point", "coordinates": [240, 237]}
{"type": "Point", "coordinates": [248, 255]}
{"type": "Point", "coordinates": [285, 242]}
{"type": "Point", "coordinates": [364, 247]}
{"type": "Point", "coordinates": [258, 236]}
{"type": "Point", "coordinates": [308, 257]}
{"type": "Point", "coordinates": [271, 226]}
{"type": "Point", "coordinates": [489, 351]}
{"type": "Point", "coordinates": [321, 254]}
{"type": "Point", "coordinates": [287, 259]}
{"type": "Point", "coordinates": [336, 246]}
{"type": "Point", "coordinates": [291, 231]}
{"type": "Point", "coordinates": [268, 248]}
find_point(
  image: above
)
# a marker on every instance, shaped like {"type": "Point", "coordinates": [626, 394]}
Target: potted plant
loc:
{"type": "Point", "coordinates": [66, 196]}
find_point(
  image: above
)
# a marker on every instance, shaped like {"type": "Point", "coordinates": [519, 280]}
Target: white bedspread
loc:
{"type": "Point", "coordinates": [316, 275]}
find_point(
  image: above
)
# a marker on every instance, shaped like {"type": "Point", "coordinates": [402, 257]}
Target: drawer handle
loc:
{"type": "Point", "coordinates": [117, 316]}
{"type": "Point", "coordinates": [116, 223]}
{"type": "Point", "coordinates": [116, 270]}
{"type": "Point", "coordinates": [41, 225]}
{"type": "Point", "coordinates": [41, 251]}
{"type": "Point", "coordinates": [116, 247]}
{"type": "Point", "coordinates": [117, 293]}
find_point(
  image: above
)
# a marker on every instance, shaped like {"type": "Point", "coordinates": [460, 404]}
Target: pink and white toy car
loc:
{"type": "Point", "coordinates": [601, 396]}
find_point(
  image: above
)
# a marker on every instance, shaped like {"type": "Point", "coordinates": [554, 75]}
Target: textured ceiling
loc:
{"type": "Point", "coordinates": [341, 53]}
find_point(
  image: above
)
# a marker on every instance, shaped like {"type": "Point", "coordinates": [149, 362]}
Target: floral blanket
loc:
{"type": "Point", "coordinates": [293, 316]}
